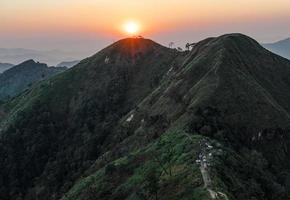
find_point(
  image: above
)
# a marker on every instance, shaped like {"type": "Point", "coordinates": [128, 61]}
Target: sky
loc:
{"type": "Point", "coordinates": [89, 25]}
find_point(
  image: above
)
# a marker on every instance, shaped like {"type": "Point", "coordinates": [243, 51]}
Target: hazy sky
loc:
{"type": "Point", "coordinates": [88, 25]}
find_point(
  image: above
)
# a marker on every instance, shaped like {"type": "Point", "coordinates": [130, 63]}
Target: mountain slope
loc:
{"type": "Point", "coordinates": [77, 111]}
{"type": "Point", "coordinates": [281, 48]}
{"type": "Point", "coordinates": [5, 66]}
{"type": "Point", "coordinates": [225, 90]}
{"type": "Point", "coordinates": [68, 64]}
{"type": "Point", "coordinates": [22, 76]}
{"type": "Point", "coordinates": [139, 121]}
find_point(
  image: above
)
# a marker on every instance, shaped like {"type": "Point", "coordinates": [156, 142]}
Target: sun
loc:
{"type": "Point", "coordinates": [131, 28]}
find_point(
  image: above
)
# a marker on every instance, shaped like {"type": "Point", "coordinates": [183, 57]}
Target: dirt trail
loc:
{"type": "Point", "coordinates": [207, 181]}
{"type": "Point", "coordinates": [205, 157]}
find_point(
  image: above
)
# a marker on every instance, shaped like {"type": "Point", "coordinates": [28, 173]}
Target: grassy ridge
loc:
{"type": "Point", "coordinates": [170, 160]}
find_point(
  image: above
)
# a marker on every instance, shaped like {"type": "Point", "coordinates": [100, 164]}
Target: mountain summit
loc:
{"type": "Point", "coordinates": [235, 74]}
{"type": "Point", "coordinates": [138, 120]}
{"type": "Point", "coordinates": [20, 77]}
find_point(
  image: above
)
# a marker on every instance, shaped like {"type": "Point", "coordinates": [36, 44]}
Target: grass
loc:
{"type": "Point", "coordinates": [127, 178]}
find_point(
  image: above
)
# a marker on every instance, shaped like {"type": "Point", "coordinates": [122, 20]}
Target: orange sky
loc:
{"type": "Point", "coordinates": [158, 18]}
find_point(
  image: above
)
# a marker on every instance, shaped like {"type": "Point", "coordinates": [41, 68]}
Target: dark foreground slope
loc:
{"type": "Point", "coordinates": [23, 76]}
{"type": "Point", "coordinates": [58, 129]}
{"type": "Point", "coordinates": [140, 121]}
{"type": "Point", "coordinates": [231, 94]}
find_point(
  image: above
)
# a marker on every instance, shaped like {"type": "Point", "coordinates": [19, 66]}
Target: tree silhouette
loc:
{"type": "Point", "coordinates": [164, 158]}
{"type": "Point", "coordinates": [152, 181]}
{"type": "Point", "coordinates": [187, 46]}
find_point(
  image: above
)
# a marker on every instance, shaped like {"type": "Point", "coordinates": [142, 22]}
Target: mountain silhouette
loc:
{"type": "Point", "coordinates": [138, 120]}
{"type": "Point", "coordinates": [5, 66]}
{"type": "Point", "coordinates": [23, 76]}
{"type": "Point", "coordinates": [281, 47]}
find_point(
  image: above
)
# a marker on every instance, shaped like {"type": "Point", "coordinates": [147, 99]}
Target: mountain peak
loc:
{"type": "Point", "coordinates": [28, 62]}
{"type": "Point", "coordinates": [21, 77]}
{"type": "Point", "coordinates": [130, 50]}
{"type": "Point", "coordinates": [134, 45]}
{"type": "Point", "coordinates": [135, 40]}
{"type": "Point", "coordinates": [281, 47]}
{"type": "Point", "coordinates": [280, 42]}
{"type": "Point", "coordinates": [114, 112]}
{"type": "Point", "coordinates": [238, 39]}
{"type": "Point", "coordinates": [235, 36]}
{"type": "Point", "coordinates": [234, 40]}
{"type": "Point", "coordinates": [234, 44]}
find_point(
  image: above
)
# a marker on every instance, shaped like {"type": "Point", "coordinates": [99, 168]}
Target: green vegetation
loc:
{"type": "Point", "coordinates": [141, 121]}
{"type": "Point", "coordinates": [165, 165]}
{"type": "Point", "coordinates": [66, 122]}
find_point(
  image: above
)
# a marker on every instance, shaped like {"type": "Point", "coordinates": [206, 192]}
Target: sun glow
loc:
{"type": "Point", "coordinates": [131, 28]}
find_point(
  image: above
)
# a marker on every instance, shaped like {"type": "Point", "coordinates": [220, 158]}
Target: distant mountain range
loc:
{"type": "Point", "coordinates": [23, 76]}
{"type": "Point", "coordinates": [70, 58]}
{"type": "Point", "coordinates": [51, 57]}
{"type": "Point", "coordinates": [68, 64]}
{"type": "Point", "coordinates": [5, 66]}
{"type": "Point", "coordinates": [281, 47]}
{"type": "Point", "coordinates": [138, 120]}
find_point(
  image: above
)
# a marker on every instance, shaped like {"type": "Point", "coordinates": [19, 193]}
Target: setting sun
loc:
{"type": "Point", "coordinates": [131, 28]}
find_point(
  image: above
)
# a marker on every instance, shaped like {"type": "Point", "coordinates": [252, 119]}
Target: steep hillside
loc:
{"type": "Point", "coordinates": [281, 48]}
{"type": "Point", "coordinates": [23, 76]}
{"type": "Point", "coordinates": [234, 74]}
{"type": "Point", "coordinates": [228, 89]}
{"type": "Point", "coordinates": [5, 66]}
{"type": "Point", "coordinates": [165, 169]}
{"type": "Point", "coordinates": [141, 121]}
{"type": "Point", "coordinates": [76, 110]}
